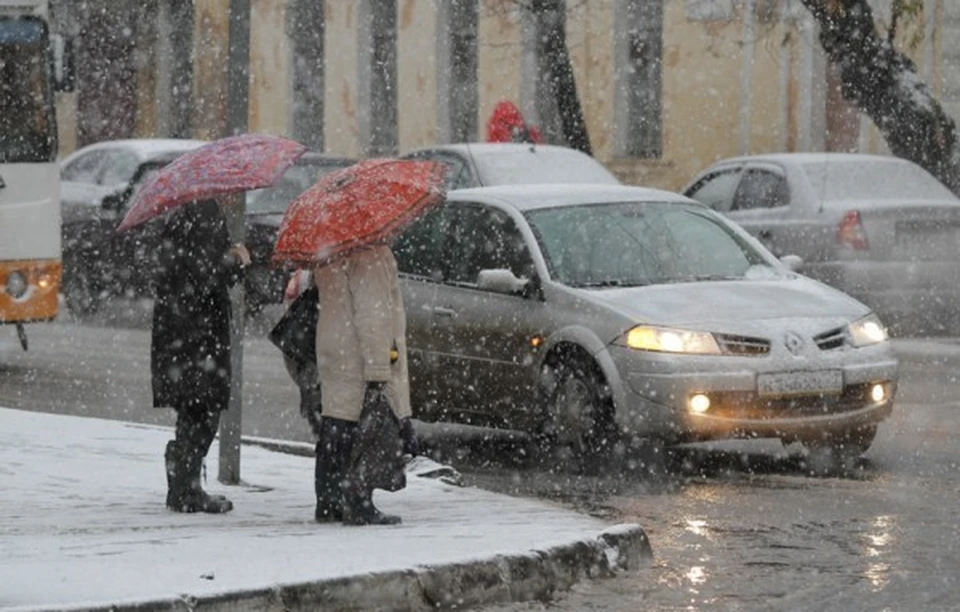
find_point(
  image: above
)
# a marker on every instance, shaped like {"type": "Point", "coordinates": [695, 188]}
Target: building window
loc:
{"type": "Point", "coordinates": [457, 89]}
{"type": "Point", "coordinates": [377, 68]}
{"type": "Point", "coordinates": [638, 76]}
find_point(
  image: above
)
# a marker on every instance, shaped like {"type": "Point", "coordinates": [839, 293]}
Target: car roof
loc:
{"type": "Point", "coordinates": [313, 158]}
{"type": "Point", "coordinates": [485, 149]}
{"type": "Point", "coordinates": [810, 157]}
{"type": "Point", "coordinates": [149, 148]}
{"type": "Point", "coordinates": [533, 197]}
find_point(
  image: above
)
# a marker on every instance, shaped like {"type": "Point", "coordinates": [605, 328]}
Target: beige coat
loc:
{"type": "Point", "coordinates": [361, 320]}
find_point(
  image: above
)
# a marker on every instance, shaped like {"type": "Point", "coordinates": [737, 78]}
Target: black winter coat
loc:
{"type": "Point", "coordinates": [190, 344]}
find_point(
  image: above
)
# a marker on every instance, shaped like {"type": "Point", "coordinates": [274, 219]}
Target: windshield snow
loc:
{"type": "Point", "coordinates": [642, 243]}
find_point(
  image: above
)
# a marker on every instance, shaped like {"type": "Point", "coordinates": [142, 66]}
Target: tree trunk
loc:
{"type": "Point", "coordinates": [556, 71]}
{"type": "Point", "coordinates": [884, 84]}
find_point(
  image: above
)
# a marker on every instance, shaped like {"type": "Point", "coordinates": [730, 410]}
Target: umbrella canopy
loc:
{"type": "Point", "coordinates": [367, 203]}
{"type": "Point", "coordinates": [225, 166]}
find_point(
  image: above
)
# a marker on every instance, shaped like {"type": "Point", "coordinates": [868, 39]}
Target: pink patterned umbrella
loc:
{"type": "Point", "coordinates": [222, 167]}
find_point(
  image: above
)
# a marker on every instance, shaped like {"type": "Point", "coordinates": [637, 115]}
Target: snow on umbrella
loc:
{"type": "Point", "coordinates": [226, 166]}
{"type": "Point", "coordinates": [367, 203]}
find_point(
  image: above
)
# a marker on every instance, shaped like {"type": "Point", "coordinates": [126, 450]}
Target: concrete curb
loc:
{"type": "Point", "coordinates": [537, 574]}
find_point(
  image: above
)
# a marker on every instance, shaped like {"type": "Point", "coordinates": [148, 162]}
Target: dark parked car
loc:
{"type": "Point", "coordinates": [100, 264]}
{"type": "Point", "coordinates": [265, 208]}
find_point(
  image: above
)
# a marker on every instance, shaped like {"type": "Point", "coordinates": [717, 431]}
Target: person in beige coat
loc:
{"type": "Point", "coordinates": [362, 356]}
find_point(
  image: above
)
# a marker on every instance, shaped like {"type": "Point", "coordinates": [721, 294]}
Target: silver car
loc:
{"type": "Point", "coordinates": [879, 228]}
{"type": "Point", "coordinates": [589, 312]}
{"type": "Point", "coordinates": [483, 164]}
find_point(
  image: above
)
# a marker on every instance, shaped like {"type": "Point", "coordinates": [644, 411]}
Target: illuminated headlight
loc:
{"type": "Point", "coordinates": [666, 340]}
{"type": "Point", "coordinates": [868, 330]}
{"type": "Point", "coordinates": [17, 284]}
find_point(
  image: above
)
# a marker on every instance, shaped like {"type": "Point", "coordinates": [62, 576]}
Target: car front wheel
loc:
{"type": "Point", "coordinates": [578, 412]}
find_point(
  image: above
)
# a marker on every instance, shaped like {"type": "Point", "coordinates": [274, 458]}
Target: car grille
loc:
{"type": "Point", "coordinates": [742, 345]}
{"type": "Point", "coordinates": [833, 339]}
{"type": "Point", "coordinates": [748, 405]}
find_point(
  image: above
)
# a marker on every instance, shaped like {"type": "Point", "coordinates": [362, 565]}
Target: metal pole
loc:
{"type": "Point", "coordinates": [238, 86]}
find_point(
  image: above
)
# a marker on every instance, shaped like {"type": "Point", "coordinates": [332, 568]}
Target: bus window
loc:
{"type": "Point", "coordinates": [27, 118]}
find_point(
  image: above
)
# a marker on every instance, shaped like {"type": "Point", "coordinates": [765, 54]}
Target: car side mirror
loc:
{"type": "Point", "coordinates": [792, 262]}
{"type": "Point", "coordinates": [114, 202]}
{"type": "Point", "coordinates": [501, 281]}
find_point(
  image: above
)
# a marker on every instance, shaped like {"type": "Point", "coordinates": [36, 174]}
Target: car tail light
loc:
{"type": "Point", "coordinates": [850, 232]}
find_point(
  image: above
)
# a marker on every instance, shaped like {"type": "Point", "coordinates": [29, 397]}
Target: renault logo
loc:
{"type": "Point", "coordinates": [793, 342]}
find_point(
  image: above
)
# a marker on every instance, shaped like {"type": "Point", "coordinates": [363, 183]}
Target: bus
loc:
{"type": "Point", "coordinates": [29, 175]}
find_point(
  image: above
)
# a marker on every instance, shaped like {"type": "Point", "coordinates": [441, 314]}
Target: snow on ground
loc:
{"type": "Point", "coordinates": [82, 520]}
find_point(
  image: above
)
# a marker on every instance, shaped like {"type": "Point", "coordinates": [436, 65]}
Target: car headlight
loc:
{"type": "Point", "coordinates": [667, 340]}
{"type": "Point", "coordinates": [17, 284]}
{"type": "Point", "coordinates": [866, 331]}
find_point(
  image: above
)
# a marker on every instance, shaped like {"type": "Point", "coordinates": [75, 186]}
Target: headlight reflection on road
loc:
{"type": "Point", "coordinates": [879, 538]}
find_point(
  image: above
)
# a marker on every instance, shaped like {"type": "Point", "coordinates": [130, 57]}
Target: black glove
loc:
{"type": "Point", "coordinates": [411, 446]}
{"type": "Point", "coordinates": [374, 393]}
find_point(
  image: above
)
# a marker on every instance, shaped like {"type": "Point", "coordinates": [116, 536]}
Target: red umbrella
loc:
{"type": "Point", "coordinates": [367, 203]}
{"type": "Point", "coordinates": [225, 166]}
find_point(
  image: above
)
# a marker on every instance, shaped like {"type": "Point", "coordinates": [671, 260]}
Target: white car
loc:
{"type": "Point", "coordinates": [91, 173]}
{"type": "Point", "coordinates": [492, 163]}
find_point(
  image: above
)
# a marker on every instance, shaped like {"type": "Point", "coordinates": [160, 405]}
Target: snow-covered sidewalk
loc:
{"type": "Point", "coordinates": [83, 523]}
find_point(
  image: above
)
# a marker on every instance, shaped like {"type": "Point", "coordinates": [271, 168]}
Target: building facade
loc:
{"type": "Point", "coordinates": [667, 86]}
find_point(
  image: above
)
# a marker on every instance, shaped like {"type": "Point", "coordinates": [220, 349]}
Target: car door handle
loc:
{"type": "Point", "coordinates": [440, 311]}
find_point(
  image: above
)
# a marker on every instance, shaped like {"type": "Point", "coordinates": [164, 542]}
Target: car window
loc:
{"type": "Point", "coordinates": [119, 168]}
{"type": "Point", "coordinates": [297, 179]}
{"type": "Point", "coordinates": [85, 168]}
{"type": "Point", "coordinates": [418, 249]}
{"type": "Point", "coordinates": [485, 238]}
{"type": "Point", "coordinates": [760, 189]}
{"type": "Point", "coordinates": [716, 189]}
{"type": "Point", "coordinates": [641, 243]}
{"type": "Point", "coordinates": [458, 172]}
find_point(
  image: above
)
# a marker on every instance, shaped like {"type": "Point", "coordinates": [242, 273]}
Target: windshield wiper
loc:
{"type": "Point", "coordinates": [610, 283]}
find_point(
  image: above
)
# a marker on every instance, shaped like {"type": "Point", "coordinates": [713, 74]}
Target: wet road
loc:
{"type": "Point", "coordinates": [741, 526]}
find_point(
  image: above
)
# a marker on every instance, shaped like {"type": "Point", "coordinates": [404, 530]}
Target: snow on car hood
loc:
{"type": "Point", "coordinates": [733, 301]}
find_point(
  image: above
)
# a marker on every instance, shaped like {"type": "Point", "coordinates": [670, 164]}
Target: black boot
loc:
{"type": "Point", "coordinates": [184, 490]}
{"type": "Point", "coordinates": [358, 508]}
{"type": "Point", "coordinates": [333, 451]}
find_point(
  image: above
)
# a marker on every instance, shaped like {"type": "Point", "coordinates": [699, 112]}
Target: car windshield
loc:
{"type": "Point", "coordinates": [644, 243]}
{"type": "Point", "coordinates": [27, 120]}
{"type": "Point", "coordinates": [523, 166]}
{"type": "Point", "coordinates": [297, 179]}
{"type": "Point", "coordinates": [873, 180]}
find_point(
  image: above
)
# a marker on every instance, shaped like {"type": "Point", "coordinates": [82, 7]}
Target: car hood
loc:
{"type": "Point", "coordinates": [722, 304]}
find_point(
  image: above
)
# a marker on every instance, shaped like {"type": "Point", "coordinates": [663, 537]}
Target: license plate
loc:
{"type": "Point", "coordinates": [800, 383]}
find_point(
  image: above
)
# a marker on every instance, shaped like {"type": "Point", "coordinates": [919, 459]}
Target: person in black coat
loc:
{"type": "Point", "coordinates": [190, 343]}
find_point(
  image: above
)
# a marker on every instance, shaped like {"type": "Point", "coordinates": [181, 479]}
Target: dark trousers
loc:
{"type": "Point", "coordinates": [195, 430]}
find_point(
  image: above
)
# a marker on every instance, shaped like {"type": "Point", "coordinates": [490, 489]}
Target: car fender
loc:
{"type": "Point", "coordinates": [586, 339]}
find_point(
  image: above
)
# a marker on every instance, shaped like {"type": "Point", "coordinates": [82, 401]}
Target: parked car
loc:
{"type": "Point", "coordinates": [100, 263]}
{"type": "Point", "coordinates": [96, 185]}
{"type": "Point", "coordinates": [93, 172]}
{"type": "Point", "coordinates": [265, 283]}
{"type": "Point", "coordinates": [486, 164]}
{"type": "Point", "coordinates": [879, 228]}
{"type": "Point", "coordinates": [586, 312]}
